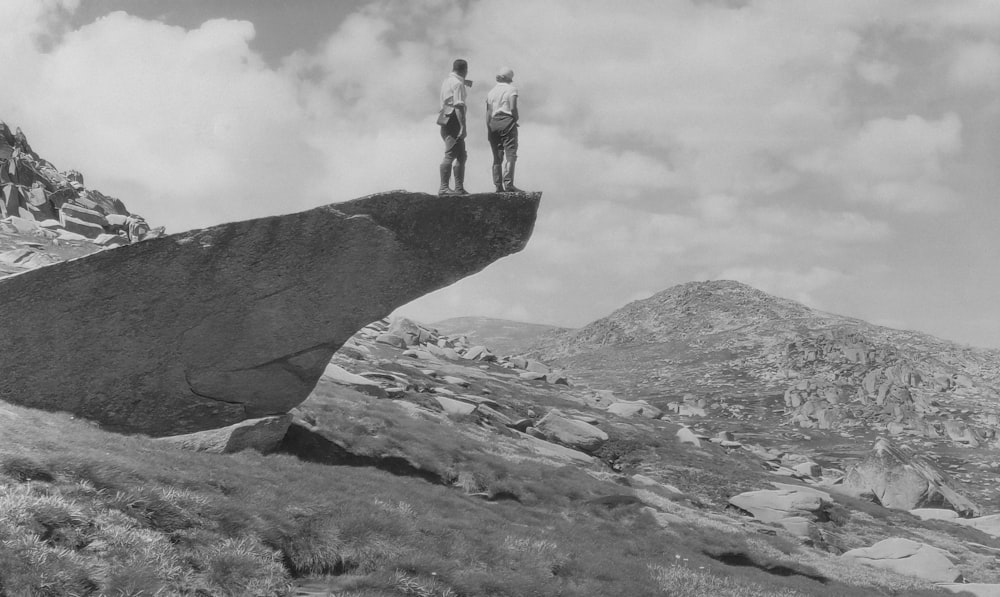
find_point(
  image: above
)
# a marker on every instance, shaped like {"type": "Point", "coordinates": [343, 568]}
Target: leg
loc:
{"type": "Point", "coordinates": [444, 169]}
{"type": "Point", "coordinates": [460, 157]}
{"type": "Point", "coordinates": [496, 148]}
{"type": "Point", "coordinates": [510, 148]}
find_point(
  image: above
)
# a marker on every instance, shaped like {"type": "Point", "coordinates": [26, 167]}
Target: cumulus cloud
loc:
{"type": "Point", "coordinates": [673, 140]}
{"type": "Point", "coordinates": [976, 65]}
{"type": "Point", "coordinates": [799, 285]}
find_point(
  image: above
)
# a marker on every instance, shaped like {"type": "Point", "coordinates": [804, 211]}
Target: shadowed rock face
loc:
{"type": "Point", "coordinates": [210, 327]}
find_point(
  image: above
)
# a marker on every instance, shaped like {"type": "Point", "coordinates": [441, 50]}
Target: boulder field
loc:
{"type": "Point", "coordinates": [207, 328]}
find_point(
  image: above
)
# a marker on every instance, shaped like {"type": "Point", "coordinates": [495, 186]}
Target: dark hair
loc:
{"type": "Point", "coordinates": [459, 64]}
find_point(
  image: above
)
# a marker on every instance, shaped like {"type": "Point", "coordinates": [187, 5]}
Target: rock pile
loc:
{"type": "Point", "coordinates": [420, 341]}
{"type": "Point", "coordinates": [845, 380]}
{"type": "Point", "coordinates": [36, 198]}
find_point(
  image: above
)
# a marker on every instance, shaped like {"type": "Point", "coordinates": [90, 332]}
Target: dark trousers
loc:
{"type": "Point", "coordinates": [454, 148]}
{"type": "Point", "coordinates": [502, 137]}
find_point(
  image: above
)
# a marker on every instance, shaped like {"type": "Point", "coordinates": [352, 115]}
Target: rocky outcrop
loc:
{"type": "Point", "coordinates": [897, 478]}
{"type": "Point", "coordinates": [210, 327]}
{"type": "Point", "coordinates": [37, 196]}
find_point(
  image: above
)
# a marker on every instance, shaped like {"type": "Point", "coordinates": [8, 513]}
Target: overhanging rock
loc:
{"type": "Point", "coordinates": [210, 327]}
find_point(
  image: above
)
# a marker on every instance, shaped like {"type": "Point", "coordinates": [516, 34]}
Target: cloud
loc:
{"type": "Point", "coordinates": [976, 65]}
{"type": "Point", "coordinates": [878, 72]}
{"type": "Point", "coordinates": [898, 163]}
{"type": "Point", "coordinates": [775, 139]}
{"type": "Point", "coordinates": [799, 285]}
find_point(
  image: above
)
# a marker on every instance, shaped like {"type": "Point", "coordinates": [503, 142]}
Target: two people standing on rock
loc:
{"type": "Point", "coordinates": [501, 129]}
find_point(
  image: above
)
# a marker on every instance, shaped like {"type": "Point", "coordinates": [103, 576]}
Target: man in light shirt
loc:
{"type": "Point", "coordinates": [453, 130]}
{"type": "Point", "coordinates": [501, 130]}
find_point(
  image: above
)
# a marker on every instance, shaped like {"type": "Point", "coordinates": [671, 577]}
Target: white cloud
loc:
{"type": "Point", "coordinates": [799, 285]}
{"type": "Point", "coordinates": [670, 138]}
{"type": "Point", "coordinates": [976, 65]}
{"type": "Point", "coordinates": [878, 72]}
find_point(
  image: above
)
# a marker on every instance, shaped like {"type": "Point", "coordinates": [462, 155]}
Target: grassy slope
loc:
{"type": "Point", "coordinates": [86, 512]}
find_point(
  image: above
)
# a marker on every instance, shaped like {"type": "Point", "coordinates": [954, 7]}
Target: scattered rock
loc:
{"type": "Point", "coordinates": [989, 524]}
{"type": "Point", "coordinates": [935, 514]}
{"type": "Point", "coordinates": [455, 407]}
{"type": "Point", "coordinates": [570, 432]}
{"type": "Point", "coordinates": [972, 588]}
{"type": "Point", "coordinates": [907, 557]}
{"type": "Point", "coordinates": [686, 436]}
{"type": "Point", "coordinates": [391, 340]}
{"type": "Point", "coordinates": [773, 505]}
{"type": "Point", "coordinates": [341, 376]}
{"type": "Point", "coordinates": [262, 434]}
{"type": "Point", "coordinates": [635, 409]}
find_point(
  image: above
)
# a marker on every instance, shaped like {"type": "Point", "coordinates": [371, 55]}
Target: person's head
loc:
{"type": "Point", "coordinates": [460, 67]}
{"type": "Point", "coordinates": [506, 75]}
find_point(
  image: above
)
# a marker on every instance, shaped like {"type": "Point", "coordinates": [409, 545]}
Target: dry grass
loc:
{"type": "Point", "coordinates": [88, 513]}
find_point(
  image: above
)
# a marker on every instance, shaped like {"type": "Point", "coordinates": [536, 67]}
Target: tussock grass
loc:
{"type": "Point", "coordinates": [89, 513]}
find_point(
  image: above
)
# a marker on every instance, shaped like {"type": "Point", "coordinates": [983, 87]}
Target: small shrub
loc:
{"type": "Point", "coordinates": [23, 468]}
{"type": "Point", "coordinates": [839, 515]}
{"type": "Point", "coordinates": [243, 567]}
{"type": "Point", "coordinates": [150, 509]}
{"type": "Point", "coordinates": [309, 543]}
{"type": "Point", "coordinates": [680, 581]}
{"type": "Point", "coordinates": [621, 454]}
{"type": "Point", "coordinates": [133, 580]}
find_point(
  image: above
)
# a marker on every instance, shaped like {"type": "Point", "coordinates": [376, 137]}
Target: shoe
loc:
{"type": "Point", "coordinates": [499, 188]}
{"type": "Point", "coordinates": [460, 179]}
{"type": "Point", "coordinates": [512, 189]}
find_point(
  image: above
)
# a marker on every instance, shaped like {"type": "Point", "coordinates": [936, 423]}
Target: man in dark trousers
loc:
{"type": "Point", "coordinates": [501, 130]}
{"type": "Point", "coordinates": [453, 129]}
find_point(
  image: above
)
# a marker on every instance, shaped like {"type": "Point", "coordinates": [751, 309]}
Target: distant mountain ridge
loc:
{"type": "Point", "coordinates": [726, 341]}
{"type": "Point", "coordinates": [688, 311]}
{"type": "Point", "coordinates": [501, 335]}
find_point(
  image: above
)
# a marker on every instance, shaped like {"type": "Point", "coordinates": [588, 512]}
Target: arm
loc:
{"type": "Point", "coordinates": [460, 110]}
{"type": "Point", "coordinates": [513, 107]}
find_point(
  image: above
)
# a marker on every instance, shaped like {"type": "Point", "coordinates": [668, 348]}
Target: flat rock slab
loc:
{"type": "Point", "coordinates": [978, 589]}
{"type": "Point", "coordinates": [908, 557]}
{"type": "Point", "coordinates": [572, 433]}
{"type": "Point", "coordinates": [773, 505]}
{"type": "Point", "coordinates": [207, 328]}
{"type": "Point", "coordinates": [262, 434]}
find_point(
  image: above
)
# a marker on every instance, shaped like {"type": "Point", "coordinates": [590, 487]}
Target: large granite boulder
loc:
{"type": "Point", "coordinates": [570, 432]}
{"type": "Point", "coordinates": [898, 478]}
{"type": "Point", "coordinates": [773, 505]}
{"type": "Point", "coordinates": [908, 557]}
{"type": "Point", "coordinates": [207, 328]}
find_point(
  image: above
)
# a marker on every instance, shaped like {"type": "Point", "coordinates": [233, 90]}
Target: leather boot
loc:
{"type": "Point", "coordinates": [460, 179]}
{"type": "Point", "coordinates": [498, 177]}
{"type": "Point", "coordinates": [445, 170]}
{"type": "Point", "coordinates": [508, 179]}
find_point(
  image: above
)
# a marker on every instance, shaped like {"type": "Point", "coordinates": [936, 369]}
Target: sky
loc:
{"type": "Point", "coordinates": [842, 153]}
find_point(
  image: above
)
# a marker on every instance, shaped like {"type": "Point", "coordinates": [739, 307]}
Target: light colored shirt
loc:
{"type": "Point", "coordinates": [499, 99]}
{"type": "Point", "coordinates": [453, 93]}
